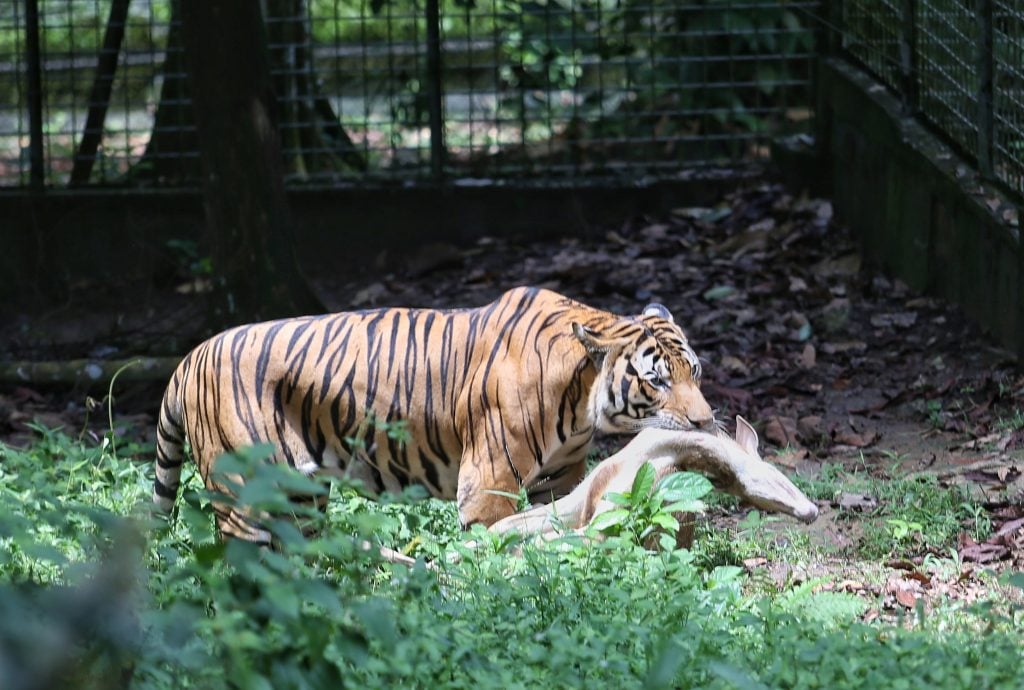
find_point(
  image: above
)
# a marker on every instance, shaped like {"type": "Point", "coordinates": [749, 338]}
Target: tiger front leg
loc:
{"type": "Point", "coordinates": [478, 494]}
{"type": "Point", "coordinates": [489, 478]}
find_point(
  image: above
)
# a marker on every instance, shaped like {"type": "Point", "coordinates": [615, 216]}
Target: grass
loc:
{"type": "Point", "coordinates": [913, 516]}
{"type": "Point", "coordinates": [1014, 422]}
{"type": "Point", "coordinates": [96, 593]}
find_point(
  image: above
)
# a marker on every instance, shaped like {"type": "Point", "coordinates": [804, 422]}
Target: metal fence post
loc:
{"type": "Point", "coordinates": [435, 92]}
{"type": "Point", "coordinates": [984, 61]}
{"type": "Point", "coordinates": [908, 57]}
{"type": "Point", "coordinates": [37, 175]}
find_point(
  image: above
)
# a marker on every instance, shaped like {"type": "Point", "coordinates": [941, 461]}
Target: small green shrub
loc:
{"type": "Point", "coordinates": [646, 510]}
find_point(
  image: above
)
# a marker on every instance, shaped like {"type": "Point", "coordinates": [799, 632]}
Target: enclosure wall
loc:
{"type": "Point", "coordinates": [56, 241]}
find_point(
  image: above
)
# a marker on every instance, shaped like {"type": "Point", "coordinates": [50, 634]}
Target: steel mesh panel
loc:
{"type": "Point", "coordinates": [582, 87]}
{"type": "Point", "coordinates": [369, 59]}
{"type": "Point", "coordinates": [952, 45]}
{"type": "Point", "coordinates": [871, 33]}
{"type": "Point", "coordinates": [71, 36]}
{"type": "Point", "coordinates": [547, 89]}
{"type": "Point", "coordinates": [947, 36]}
{"type": "Point", "coordinates": [1008, 93]}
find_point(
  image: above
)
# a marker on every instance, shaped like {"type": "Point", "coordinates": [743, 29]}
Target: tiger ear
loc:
{"type": "Point", "coordinates": [597, 347]}
{"type": "Point", "coordinates": [659, 310]}
{"type": "Point", "coordinates": [746, 437]}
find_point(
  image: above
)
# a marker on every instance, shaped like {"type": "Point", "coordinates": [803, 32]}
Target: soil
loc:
{"type": "Point", "coordinates": [834, 363]}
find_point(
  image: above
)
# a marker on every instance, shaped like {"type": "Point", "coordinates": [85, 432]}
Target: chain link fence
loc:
{"type": "Point", "coordinates": [957, 64]}
{"type": "Point", "coordinates": [95, 92]}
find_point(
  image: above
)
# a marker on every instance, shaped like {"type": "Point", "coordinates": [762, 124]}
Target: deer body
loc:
{"type": "Point", "coordinates": [733, 465]}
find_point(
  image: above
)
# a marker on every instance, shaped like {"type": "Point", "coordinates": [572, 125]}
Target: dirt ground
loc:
{"type": "Point", "coordinates": [833, 363]}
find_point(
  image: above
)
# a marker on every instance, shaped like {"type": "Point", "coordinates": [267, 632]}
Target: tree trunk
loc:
{"type": "Point", "coordinates": [247, 217]}
{"type": "Point", "coordinates": [314, 141]}
{"type": "Point", "coordinates": [169, 156]}
{"type": "Point", "coordinates": [99, 95]}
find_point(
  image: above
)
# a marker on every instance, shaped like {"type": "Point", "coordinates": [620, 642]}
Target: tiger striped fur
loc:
{"type": "Point", "coordinates": [493, 398]}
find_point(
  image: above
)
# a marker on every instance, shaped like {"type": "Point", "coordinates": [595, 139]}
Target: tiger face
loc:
{"type": "Point", "coordinates": [648, 376]}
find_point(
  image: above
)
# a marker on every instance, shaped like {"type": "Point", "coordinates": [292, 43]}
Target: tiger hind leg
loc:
{"type": "Point", "coordinates": [243, 522]}
{"type": "Point", "coordinates": [238, 524]}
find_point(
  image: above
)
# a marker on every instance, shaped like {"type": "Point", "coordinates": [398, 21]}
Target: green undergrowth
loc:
{"type": "Point", "coordinates": [96, 593]}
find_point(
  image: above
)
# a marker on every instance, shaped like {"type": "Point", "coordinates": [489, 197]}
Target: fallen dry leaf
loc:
{"type": "Point", "coordinates": [616, 238]}
{"type": "Point", "coordinates": [810, 428]}
{"type": "Point", "coordinates": [735, 365]}
{"type": "Point", "coordinates": [719, 292]}
{"type": "Point", "coordinates": [923, 578]}
{"type": "Point", "coordinates": [899, 564]}
{"type": "Point", "coordinates": [738, 398]}
{"type": "Point", "coordinates": [1010, 527]}
{"type": "Point", "coordinates": [906, 598]}
{"type": "Point", "coordinates": [798, 325]}
{"type": "Point", "coordinates": [904, 319]}
{"type": "Point", "coordinates": [972, 551]}
{"type": "Point", "coordinates": [847, 437]}
{"type": "Point", "coordinates": [1004, 472]}
{"type": "Point", "coordinates": [1010, 512]}
{"type": "Point", "coordinates": [850, 586]}
{"type": "Point", "coordinates": [781, 431]}
{"type": "Point", "coordinates": [844, 265]}
{"type": "Point", "coordinates": [845, 347]}
{"type": "Point", "coordinates": [983, 553]}
{"type": "Point", "coordinates": [867, 400]}
{"type": "Point", "coordinates": [791, 457]}
{"type": "Point", "coordinates": [807, 358]}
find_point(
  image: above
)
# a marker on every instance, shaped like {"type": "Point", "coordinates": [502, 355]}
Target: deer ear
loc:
{"type": "Point", "coordinates": [746, 437]}
{"type": "Point", "coordinates": [659, 310]}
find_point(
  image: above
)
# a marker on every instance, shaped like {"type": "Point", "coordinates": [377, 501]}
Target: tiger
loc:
{"type": "Point", "coordinates": [494, 400]}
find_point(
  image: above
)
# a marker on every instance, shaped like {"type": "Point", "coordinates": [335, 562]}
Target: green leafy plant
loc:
{"type": "Point", "coordinates": [902, 530]}
{"type": "Point", "coordinates": [647, 508]}
{"type": "Point", "coordinates": [936, 415]}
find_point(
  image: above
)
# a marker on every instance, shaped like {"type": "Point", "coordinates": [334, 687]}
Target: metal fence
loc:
{"type": "Point", "coordinates": [95, 92]}
{"type": "Point", "coordinates": [957, 64]}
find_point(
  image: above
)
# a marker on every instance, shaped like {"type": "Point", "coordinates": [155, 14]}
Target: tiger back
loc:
{"type": "Point", "coordinates": [494, 398]}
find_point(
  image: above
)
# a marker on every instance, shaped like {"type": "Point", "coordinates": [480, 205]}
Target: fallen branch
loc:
{"type": "Point", "coordinates": [977, 466]}
{"type": "Point", "coordinates": [92, 372]}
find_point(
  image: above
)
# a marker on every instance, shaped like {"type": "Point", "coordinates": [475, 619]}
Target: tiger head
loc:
{"type": "Point", "coordinates": [648, 376]}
